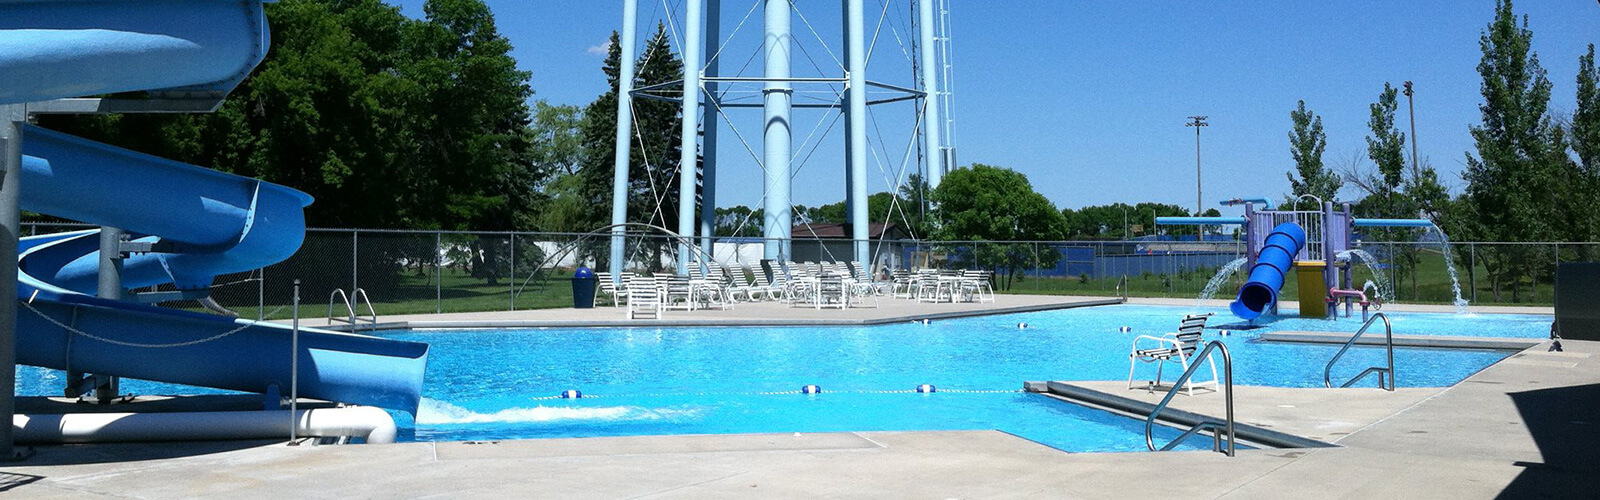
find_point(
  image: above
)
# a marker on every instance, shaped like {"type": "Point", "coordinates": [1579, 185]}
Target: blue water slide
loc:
{"type": "Point", "coordinates": [1272, 266]}
{"type": "Point", "coordinates": [202, 223]}
{"type": "Point", "coordinates": [51, 49]}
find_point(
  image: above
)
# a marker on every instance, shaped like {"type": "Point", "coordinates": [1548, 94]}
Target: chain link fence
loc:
{"type": "Point", "coordinates": [420, 272]}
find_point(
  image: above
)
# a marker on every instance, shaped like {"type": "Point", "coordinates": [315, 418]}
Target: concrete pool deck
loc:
{"type": "Point", "coordinates": [1527, 426]}
{"type": "Point", "coordinates": [888, 310]}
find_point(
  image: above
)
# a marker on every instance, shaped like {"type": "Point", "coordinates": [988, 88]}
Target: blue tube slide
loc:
{"type": "Point", "coordinates": [56, 49]}
{"type": "Point", "coordinates": [1273, 262]}
{"type": "Point", "coordinates": [208, 223]}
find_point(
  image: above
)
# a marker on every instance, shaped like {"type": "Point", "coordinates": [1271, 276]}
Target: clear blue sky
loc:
{"type": "Point", "coordinates": [1089, 99]}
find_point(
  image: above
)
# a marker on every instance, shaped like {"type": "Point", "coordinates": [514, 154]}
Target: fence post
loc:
{"type": "Point", "coordinates": [355, 235]}
{"type": "Point", "coordinates": [511, 281]}
{"type": "Point", "coordinates": [1472, 270]}
{"type": "Point", "coordinates": [438, 272]}
{"type": "Point", "coordinates": [261, 296]}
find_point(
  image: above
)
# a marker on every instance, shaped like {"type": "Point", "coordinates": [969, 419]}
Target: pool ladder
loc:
{"type": "Point", "coordinates": [1217, 428]}
{"type": "Point", "coordinates": [1383, 373]}
{"type": "Point", "coordinates": [360, 297]}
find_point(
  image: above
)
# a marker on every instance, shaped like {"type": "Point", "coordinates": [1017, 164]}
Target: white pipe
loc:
{"type": "Point", "coordinates": [373, 424]}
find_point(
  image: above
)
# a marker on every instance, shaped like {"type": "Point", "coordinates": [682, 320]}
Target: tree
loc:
{"type": "Point", "coordinates": [1306, 143]}
{"type": "Point", "coordinates": [1585, 138]}
{"type": "Point", "coordinates": [652, 189]}
{"type": "Point", "coordinates": [986, 203]}
{"type": "Point", "coordinates": [1518, 169]}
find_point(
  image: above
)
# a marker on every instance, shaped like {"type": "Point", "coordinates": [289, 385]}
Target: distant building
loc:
{"type": "Point", "coordinates": [829, 242]}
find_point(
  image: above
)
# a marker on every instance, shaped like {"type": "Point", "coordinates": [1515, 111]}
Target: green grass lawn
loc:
{"type": "Point", "coordinates": [1430, 285]}
{"type": "Point", "coordinates": [414, 294]}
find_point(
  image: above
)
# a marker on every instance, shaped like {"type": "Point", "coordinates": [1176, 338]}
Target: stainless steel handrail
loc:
{"type": "Point", "coordinates": [1388, 334]}
{"type": "Point", "coordinates": [1211, 425]}
{"type": "Point", "coordinates": [360, 297]}
{"type": "Point", "coordinates": [349, 307]}
{"type": "Point", "coordinates": [339, 293]}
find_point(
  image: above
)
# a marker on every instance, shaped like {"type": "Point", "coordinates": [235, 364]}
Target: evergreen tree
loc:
{"type": "Point", "coordinates": [1585, 138]}
{"type": "Point", "coordinates": [1306, 143]}
{"type": "Point", "coordinates": [1518, 169]}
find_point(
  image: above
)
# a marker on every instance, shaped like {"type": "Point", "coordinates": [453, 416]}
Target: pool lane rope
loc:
{"type": "Point", "coordinates": [921, 389]}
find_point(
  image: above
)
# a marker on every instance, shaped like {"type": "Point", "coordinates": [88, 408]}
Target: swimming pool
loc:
{"type": "Point", "coordinates": [503, 384]}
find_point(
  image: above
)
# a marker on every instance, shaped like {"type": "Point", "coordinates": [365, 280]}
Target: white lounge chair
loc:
{"type": "Point", "coordinates": [1177, 347]}
{"type": "Point", "coordinates": [615, 289]}
{"type": "Point", "coordinates": [644, 297]}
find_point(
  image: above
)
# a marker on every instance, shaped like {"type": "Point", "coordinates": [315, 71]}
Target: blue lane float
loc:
{"type": "Point", "coordinates": [1277, 254]}
{"type": "Point", "coordinates": [571, 394]}
{"type": "Point", "coordinates": [811, 389]}
{"type": "Point", "coordinates": [927, 389]}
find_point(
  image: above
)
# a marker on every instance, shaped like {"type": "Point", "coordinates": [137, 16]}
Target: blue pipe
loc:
{"type": "Point", "coordinates": [1199, 221]}
{"type": "Point", "coordinates": [1271, 269]}
{"type": "Point", "coordinates": [1266, 203]}
{"type": "Point", "coordinates": [1393, 223]}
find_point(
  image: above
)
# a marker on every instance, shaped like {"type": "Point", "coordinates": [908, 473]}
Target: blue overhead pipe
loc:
{"type": "Point", "coordinates": [1266, 203]}
{"type": "Point", "coordinates": [1393, 223]}
{"type": "Point", "coordinates": [1199, 221]}
{"type": "Point", "coordinates": [1272, 267]}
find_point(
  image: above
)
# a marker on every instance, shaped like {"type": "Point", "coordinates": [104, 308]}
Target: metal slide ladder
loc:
{"type": "Point", "coordinates": [360, 298]}
{"type": "Point", "coordinates": [1217, 428]}
{"type": "Point", "coordinates": [1388, 334]}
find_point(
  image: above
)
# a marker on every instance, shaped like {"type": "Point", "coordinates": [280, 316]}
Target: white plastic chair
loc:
{"type": "Point", "coordinates": [1177, 346]}
{"type": "Point", "coordinates": [644, 297]}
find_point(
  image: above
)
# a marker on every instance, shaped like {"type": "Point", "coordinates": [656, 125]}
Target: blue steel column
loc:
{"type": "Point", "coordinates": [934, 150]}
{"type": "Point", "coordinates": [776, 144]}
{"type": "Point", "coordinates": [619, 179]}
{"type": "Point", "coordinates": [708, 186]}
{"type": "Point", "coordinates": [856, 133]}
{"type": "Point", "coordinates": [689, 154]}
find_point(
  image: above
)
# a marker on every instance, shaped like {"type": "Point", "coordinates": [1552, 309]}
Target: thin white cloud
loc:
{"type": "Point", "coordinates": [599, 50]}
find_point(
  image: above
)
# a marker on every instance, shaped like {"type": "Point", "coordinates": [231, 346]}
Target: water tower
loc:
{"type": "Point", "coordinates": [703, 105]}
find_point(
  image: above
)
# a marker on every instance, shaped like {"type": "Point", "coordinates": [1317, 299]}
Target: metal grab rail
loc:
{"type": "Point", "coordinates": [1211, 425]}
{"type": "Point", "coordinates": [1388, 334]}
{"type": "Point", "coordinates": [349, 307]}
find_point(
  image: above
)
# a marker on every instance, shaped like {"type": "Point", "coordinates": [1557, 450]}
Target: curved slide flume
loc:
{"type": "Point", "coordinates": [1272, 266]}
{"type": "Point", "coordinates": [205, 223]}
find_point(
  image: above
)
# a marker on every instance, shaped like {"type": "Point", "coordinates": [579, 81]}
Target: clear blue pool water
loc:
{"type": "Point", "coordinates": [501, 384]}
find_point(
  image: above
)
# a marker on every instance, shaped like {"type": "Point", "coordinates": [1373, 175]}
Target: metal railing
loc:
{"type": "Point", "coordinates": [1388, 334]}
{"type": "Point", "coordinates": [1217, 428]}
{"type": "Point", "coordinates": [359, 297]}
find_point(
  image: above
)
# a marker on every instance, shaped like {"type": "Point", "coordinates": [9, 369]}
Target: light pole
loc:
{"type": "Point", "coordinates": [1197, 122]}
{"type": "Point", "coordinates": [1125, 235]}
{"type": "Point", "coordinates": [1411, 107]}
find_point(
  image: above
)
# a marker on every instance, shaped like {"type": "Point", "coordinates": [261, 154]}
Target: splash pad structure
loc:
{"type": "Point", "coordinates": [1317, 244]}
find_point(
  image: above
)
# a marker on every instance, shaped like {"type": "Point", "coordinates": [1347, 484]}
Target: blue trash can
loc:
{"type": "Point", "coordinates": [583, 283]}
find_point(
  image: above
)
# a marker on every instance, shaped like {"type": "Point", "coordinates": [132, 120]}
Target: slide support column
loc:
{"type": "Point", "coordinates": [11, 118]}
